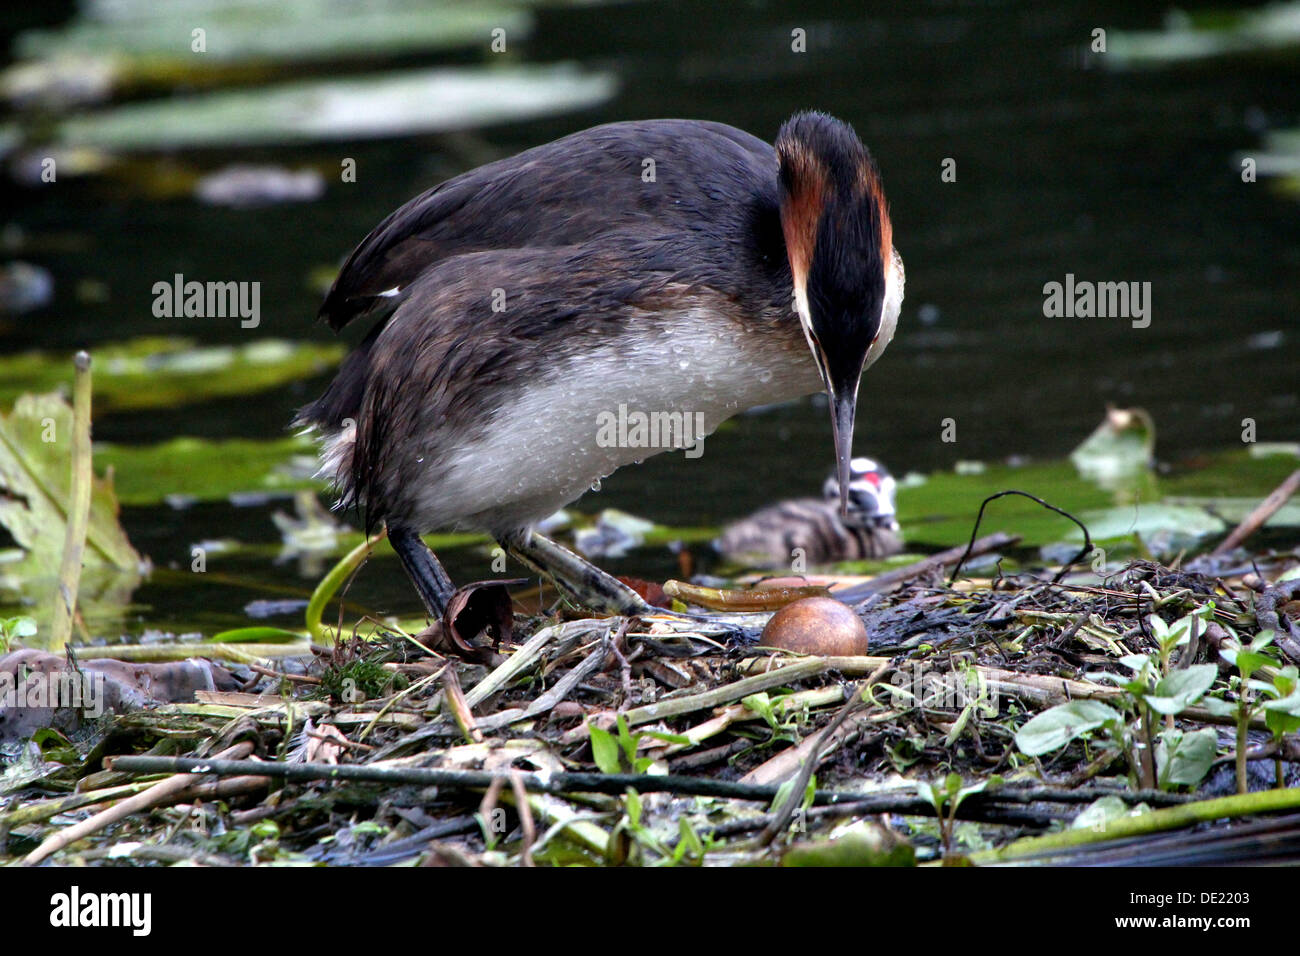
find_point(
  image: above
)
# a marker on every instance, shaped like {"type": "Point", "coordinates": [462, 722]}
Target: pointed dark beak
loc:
{"type": "Point", "coordinates": [844, 403]}
{"type": "Point", "coordinates": [843, 392]}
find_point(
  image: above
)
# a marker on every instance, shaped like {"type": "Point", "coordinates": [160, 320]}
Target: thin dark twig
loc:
{"type": "Point", "coordinates": [555, 783]}
{"type": "Point", "coordinates": [1065, 568]}
{"type": "Point", "coordinates": [800, 781]}
{"type": "Point", "coordinates": [856, 701]}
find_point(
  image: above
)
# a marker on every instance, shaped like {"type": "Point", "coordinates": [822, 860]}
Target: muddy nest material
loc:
{"type": "Point", "coordinates": [672, 739]}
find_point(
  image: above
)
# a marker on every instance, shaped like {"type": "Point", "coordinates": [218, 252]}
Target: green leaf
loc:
{"type": "Point", "coordinates": [166, 372]}
{"type": "Point", "coordinates": [931, 795]}
{"type": "Point", "coordinates": [992, 783]}
{"type": "Point", "coordinates": [1054, 728]}
{"type": "Point", "coordinates": [35, 485]}
{"type": "Point", "coordinates": [604, 749]}
{"type": "Point", "coordinates": [256, 635]}
{"type": "Point", "coordinates": [1179, 633]}
{"type": "Point", "coordinates": [16, 629]}
{"type": "Point", "coordinates": [1262, 640]}
{"type": "Point", "coordinates": [1183, 759]}
{"type": "Point", "coordinates": [782, 793]}
{"type": "Point", "coordinates": [689, 844]}
{"type": "Point", "coordinates": [1100, 812]}
{"type": "Point", "coordinates": [268, 36]}
{"type": "Point", "coordinates": [809, 792]}
{"type": "Point", "coordinates": [329, 586]}
{"type": "Point", "coordinates": [35, 490]}
{"type": "Point", "coordinates": [1137, 663]}
{"type": "Point", "coordinates": [193, 469]}
{"type": "Point", "coordinates": [1182, 688]}
{"type": "Point", "coordinates": [1219, 707]}
{"type": "Point", "coordinates": [1287, 680]}
{"type": "Point", "coordinates": [1283, 716]}
{"type": "Point", "coordinates": [632, 799]}
{"type": "Point", "coordinates": [761, 705]}
{"type": "Point", "coordinates": [952, 784]}
{"type": "Point", "coordinates": [628, 741]}
{"type": "Point", "coordinates": [859, 844]}
{"type": "Point", "coordinates": [1250, 661]}
{"type": "Point", "coordinates": [665, 737]}
{"type": "Point", "coordinates": [1149, 522]}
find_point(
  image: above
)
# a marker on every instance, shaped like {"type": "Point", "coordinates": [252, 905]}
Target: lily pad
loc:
{"type": "Point", "coordinates": [305, 111]}
{"type": "Point", "coordinates": [165, 372]}
{"type": "Point", "coordinates": [285, 30]}
{"type": "Point", "coordinates": [941, 511]}
{"type": "Point", "coordinates": [141, 43]}
{"type": "Point", "coordinates": [1271, 28]}
{"type": "Point", "coordinates": [1148, 520]}
{"type": "Point", "coordinates": [199, 470]}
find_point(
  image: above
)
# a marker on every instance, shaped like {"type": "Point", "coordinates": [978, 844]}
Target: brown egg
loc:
{"type": "Point", "coordinates": [816, 625]}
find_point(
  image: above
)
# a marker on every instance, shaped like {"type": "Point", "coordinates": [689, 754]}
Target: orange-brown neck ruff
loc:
{"type": "Point", "coordinates": [869, 185]}
{"type": "Point", "coordinates": [804, 187]}
{"type": "Point", "coordinates": [808, 188]}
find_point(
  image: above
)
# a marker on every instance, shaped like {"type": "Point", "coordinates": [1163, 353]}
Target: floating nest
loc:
{"type": "Point", "coordinates": [679, 739]}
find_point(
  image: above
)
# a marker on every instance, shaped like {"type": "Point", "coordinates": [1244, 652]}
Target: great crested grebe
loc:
{"type": "Point", "coordinates": [519, 301]}
{"type": "Point", "coordinates": [815, 529]}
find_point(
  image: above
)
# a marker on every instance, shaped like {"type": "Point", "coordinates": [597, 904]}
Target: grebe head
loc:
{"type": "Point", "coordinates": [848, 280]}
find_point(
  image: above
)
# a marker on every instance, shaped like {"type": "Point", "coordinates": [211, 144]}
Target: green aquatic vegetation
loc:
{"type": "Point", "coordinates": [617, 752]}
{"type": "Point", "coordinates": [1183, 507]}
{"type": "Point", "coordinates": [35, 505]}
{"type": "Point", "coordinates": [947, 797]}
{"type": "Point", "coordinates": [1277, 696]}
{"type": "Point", "coordinates": [194, 469]}
{"type": "Point", "coordinates": [35, 476]}
{"type": "Point", "coordinates": [317, 110]}
{"type": "Point", "coordinates": [1151, 687]}
{"type": "Point", "coordinates": [142, 35]}
{"type": "Point", "coordinates": [1204, 35]}
{"type": "Point", "coordinates": [15, 629]}
{"type": "Point", "coordinates": [782, 721]}
{"type": "Point", "coordinates": [170, 371]}
{"type": "Point", "coordinates": [362, 678]}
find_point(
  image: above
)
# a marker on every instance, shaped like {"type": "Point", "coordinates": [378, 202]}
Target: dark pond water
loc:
{"type": "Point", "coordinates": [1107, 175]}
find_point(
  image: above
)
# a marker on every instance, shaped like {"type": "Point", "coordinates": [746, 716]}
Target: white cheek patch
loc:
{"type": "Point", "coordinates": [805, 323]}
{"type": "Point", "coordinates": [889, 310]}
{"type": "Point", "coordinates": [802, 310]}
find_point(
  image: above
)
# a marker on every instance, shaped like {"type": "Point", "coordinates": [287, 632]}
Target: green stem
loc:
{"type": "Point", "coordinates": [329, 586]}
{"type": "Point", "coordinates": [1154, 821]}
{"type": "Point", "coordinates": [262, 654]}
{"type": "Point", "coordinates": [1148, 751]}
{"type": "Point", "coordinates": [1243, 724]}
{"type": "Point", "coordinates": [74, 539]}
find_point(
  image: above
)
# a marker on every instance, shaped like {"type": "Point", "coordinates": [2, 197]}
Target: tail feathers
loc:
{"type": "Point", "coordinates": [343, 398]}
{"type": "Point", "coordinates": [334, 418]}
